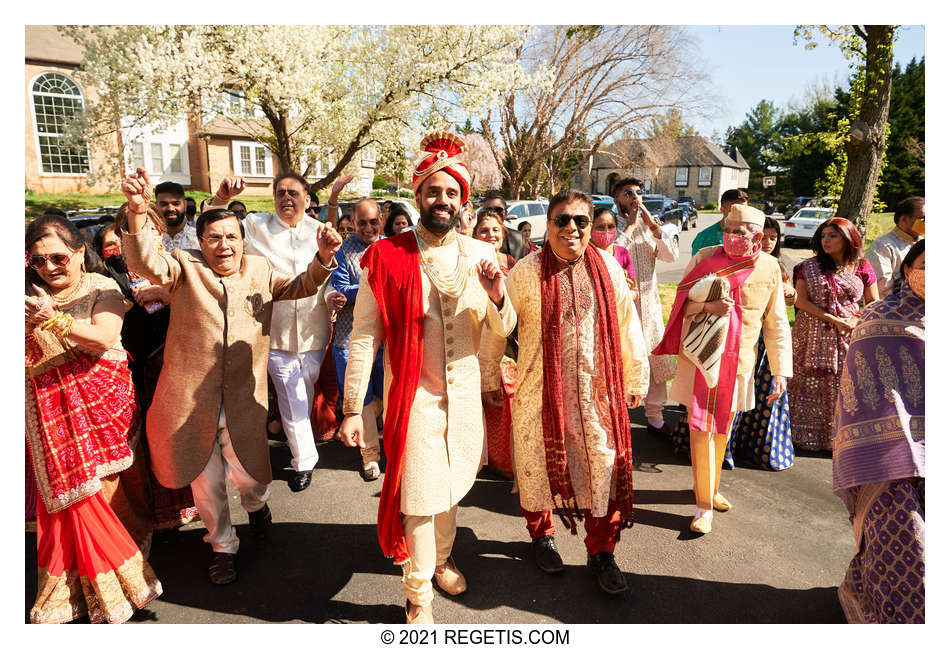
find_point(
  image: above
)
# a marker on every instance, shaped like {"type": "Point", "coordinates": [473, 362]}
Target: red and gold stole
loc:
{"type": "Point", "coordinates": [711, 406]}
{"type": "Point", "coordinates": [552, 413]}
{"type": "Point", "coordinates": [391, 266]}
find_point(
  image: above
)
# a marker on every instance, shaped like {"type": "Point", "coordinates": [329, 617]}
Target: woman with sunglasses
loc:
{"type": "Point", "coordinates": [490, 228]}
{"type": "Point", "coordinates": [81, 423]}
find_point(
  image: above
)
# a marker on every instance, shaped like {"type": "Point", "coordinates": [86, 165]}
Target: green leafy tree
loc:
{"type": "Point", "coordinates": [904, 174]}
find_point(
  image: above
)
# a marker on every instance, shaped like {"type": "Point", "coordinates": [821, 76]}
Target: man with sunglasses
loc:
{"type": "Point", "coordinates": [581, 363]}
{"type": "Point", "coordinates": [207, 421]}
{"type": "Point", "coordinates": [299, 329]}
{"type": "Point", "coordinates": [647, 244]}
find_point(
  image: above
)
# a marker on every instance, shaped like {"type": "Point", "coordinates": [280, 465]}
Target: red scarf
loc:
{"type": "Point", "coordinates": [711, 406]}
{"type": "Point", "coordinates": [552, 412]}
{"type": "Point", "coordinates": [391, 266]}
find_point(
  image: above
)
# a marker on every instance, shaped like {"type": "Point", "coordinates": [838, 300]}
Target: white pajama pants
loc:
{"type": "Point", "coordinates": [429, 540]}
{"type": "Point", "coordinates": [211, 492]}
{"type": "Point", "coordinates": [657, 395]}
{"type": "Point", "coordinates": [294, 377]}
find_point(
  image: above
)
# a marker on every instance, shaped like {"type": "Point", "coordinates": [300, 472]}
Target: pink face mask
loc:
{"type": "Point", "coordinates": [738, 246]}
{"type": "Point", "coordinates": [603, 238]}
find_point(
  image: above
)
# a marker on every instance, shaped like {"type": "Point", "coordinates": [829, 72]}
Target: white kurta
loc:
{"type": "Point", "coordinates": [645, 249]}
{"type": "Point", "coordinates": [445, 442]}
{"type": "Point", "coordinates": [590, 450]}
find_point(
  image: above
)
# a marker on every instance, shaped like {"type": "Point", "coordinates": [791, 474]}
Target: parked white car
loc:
{"type": "Point", "coordinates": [802, 225]}
{"type": "Point", "coordinates": [535, 212]}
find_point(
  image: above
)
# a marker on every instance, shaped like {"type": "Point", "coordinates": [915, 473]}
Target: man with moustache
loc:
{"type": "Point", "coordinates": [299, 329]}
{"type": "Point", "coordinates": [346, 281]}
{"type": "Point", "coordinates": [647, 244]}
{"type": "Point", "coordinates": [207, 421]}
{"type": "Point", "coordinates": [179, 233]}
{"type": "Point", "coordinates": [426, 294]}
{"type": "Point", "coordinates": [581, 363]}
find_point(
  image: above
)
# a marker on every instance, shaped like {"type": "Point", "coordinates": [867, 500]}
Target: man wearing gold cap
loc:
{"type": "Point", "coordinates": [729, 294]}
{"type": "Point", "coordinates": [426, 294]}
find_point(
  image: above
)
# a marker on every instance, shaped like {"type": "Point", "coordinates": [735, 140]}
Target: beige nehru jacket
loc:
{"type": "Point", "coordinates": [215, 355]}
{"type": "Point", "coordinates": [297, 326]}
{"type": "Point", "coordinates": [445, 441]}
{"type": "Point", "coordinates": [763, 310]}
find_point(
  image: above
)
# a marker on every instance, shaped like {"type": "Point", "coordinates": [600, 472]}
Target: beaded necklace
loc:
{"type": "Point", "coordinates": [450, 284]}
{"type": "Point", "coordinates": [72, 293]}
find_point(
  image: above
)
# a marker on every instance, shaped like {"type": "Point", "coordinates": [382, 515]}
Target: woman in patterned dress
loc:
{"type": "Point", "coordinates": [490, 228]}
{"type": "Point", "coordinates": [830, 287]}
{"type": "Point", "coordinates": [762, 436]}
{"type": "Point", "coordinates": [879, 466]}
{"type": "Point", "coordinates": [81, 426]}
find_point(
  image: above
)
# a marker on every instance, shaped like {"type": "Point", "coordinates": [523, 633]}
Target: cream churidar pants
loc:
{"type": "Point", "coordinates": [430, 540]}
{"type": "Point", "coordinates": [211, 492]}
{"type": "Point", "coordinates": [707, 451]}
{"type": "Point", "coordinates": [656, 397]}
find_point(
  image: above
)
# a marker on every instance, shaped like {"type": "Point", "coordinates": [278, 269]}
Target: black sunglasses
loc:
{"type": "Point", "coordinates": [628, 193]}
{"type": "Point", "coordinates": [580, 220]}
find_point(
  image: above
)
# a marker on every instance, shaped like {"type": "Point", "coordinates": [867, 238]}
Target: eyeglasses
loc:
{"type": "Point", "coordinates": [580, 220]}
{"type": "Point", "coordinates": [347, 231]}
{"type": "Point", "coordinates": [57, 259]}
{"type": "Point", "coordinates": [630, 192]}
{"type": "Point", "coordinates": [311, 210]}
{"type": "Point", "coordinates": [215, 239]}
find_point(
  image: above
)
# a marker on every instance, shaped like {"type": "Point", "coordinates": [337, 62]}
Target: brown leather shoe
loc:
{"type": "Point", "coordinates": [418, 614]}
{"type": "Point", "coordinates": [449, 579]}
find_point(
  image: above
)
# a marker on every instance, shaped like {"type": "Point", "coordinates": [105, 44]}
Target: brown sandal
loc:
{"type": "Point", "coordinates": [223, 568]}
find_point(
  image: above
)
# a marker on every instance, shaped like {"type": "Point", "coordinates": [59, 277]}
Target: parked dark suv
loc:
{"type": "Point", "coordinates": [691, 212]}
{"type": "Point", "coordinates": [668, 210]}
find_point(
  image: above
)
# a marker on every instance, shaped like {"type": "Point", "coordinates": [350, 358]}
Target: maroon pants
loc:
{"type": "Point", "coordinates": [602, 532]}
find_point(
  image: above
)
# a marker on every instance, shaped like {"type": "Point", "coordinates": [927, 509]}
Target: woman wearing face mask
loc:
{"type": "Point", "coordinates": [82, 423]}
{"type": "Point", "coordinates": [830, 287]}
{"type": "Point", "coordinates": [603, 235]}
{"type": "Point", "coordinates": [496, 400]}
{"type": "Point", "coordinates": [878, 465]}
{"type": "Point", "coordinates": [762, 436]}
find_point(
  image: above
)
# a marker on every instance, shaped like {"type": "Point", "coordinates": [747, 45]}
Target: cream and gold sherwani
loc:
{"type": "Point", "coordinates": [445, 440]}
{"type": "Point", "coordinates": [590, 452]}
{"type": "Point", "coordinates": [763, 309]}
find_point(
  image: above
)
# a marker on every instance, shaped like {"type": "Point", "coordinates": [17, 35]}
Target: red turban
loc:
{"type": "Point", "coordinates": [443, 149]}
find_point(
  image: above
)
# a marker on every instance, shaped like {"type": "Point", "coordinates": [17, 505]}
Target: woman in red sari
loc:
{"type": "Point", "coordinates": [490, 228]}
{"type": "Point", "coordinates": [80, 418]}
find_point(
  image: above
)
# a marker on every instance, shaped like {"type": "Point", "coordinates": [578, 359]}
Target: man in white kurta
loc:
{"type": "Point", "coordinates": [648, 244]}
{"type": "Point", "coordinates": [445, 438]}
{"type": "Point", "coordinates": [588, 430]}
{"type": "Point", "coordinates": [299, 329]}
{"type": "Point", "coordinates": [887, 252]}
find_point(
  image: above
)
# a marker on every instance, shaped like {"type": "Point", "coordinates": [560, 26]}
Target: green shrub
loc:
{"type": "Point", "coordinates": [379, 182]}
{"type": "Point", "coordinates": [377, 193]}
{"type": "Point", "coordinates": [405, 193]}
{"type": "Point", "coordinates": [710, 206]}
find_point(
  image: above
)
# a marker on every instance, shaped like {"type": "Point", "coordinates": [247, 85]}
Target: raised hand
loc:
{"type": "Point", "coordinates": [328, 242]}
{"type": "Point", "coordinates": [229, 188]}
{"type": "Point", "coordinates": [492, 279]}
{"type": "Point", "coordinates": [340, 183]}
{"type": "Point", "coordinates": [138, 190]}
{"type": "Point", "coordinates": [38, 309]}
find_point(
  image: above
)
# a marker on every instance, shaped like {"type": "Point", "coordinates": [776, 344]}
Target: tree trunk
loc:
{"type": "Point", "coordinates": [868, 138]}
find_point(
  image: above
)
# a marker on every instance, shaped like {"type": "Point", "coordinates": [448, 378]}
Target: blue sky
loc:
{"type": "Point", "coordinates": [747, 63]}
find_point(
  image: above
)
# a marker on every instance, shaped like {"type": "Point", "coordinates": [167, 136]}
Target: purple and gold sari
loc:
{"type": "Point", "coordinates": [878, 466]}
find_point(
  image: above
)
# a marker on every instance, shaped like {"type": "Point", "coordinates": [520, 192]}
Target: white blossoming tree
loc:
{"type": "Point", "coordinates": [333, 88]}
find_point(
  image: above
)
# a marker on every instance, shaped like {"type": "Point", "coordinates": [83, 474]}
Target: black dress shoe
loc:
{"type": "Point", "coordinates": [223, 568]}
{"type": "Point", "coordinates": [659, 431]}
{"type": "Point", "coordinates": [546, 555]}
{"type": "Point", "coordinates": [260, 520]}
{"type": "Point", "coordinates": [300, 480]}
{"type": "Point", "coordinates": [609, 577]}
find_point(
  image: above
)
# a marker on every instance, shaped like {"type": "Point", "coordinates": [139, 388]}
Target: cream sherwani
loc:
{"type": "Point", "coordinates": [763, 309]}
{"type": "Point", "coordinates": [590, 452]}
{"type": "Point", "coordinates": [445, 441]}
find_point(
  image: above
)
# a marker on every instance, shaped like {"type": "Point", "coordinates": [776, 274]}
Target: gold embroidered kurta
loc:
{"type": "Point", "coordinates": [763, 310]}
{"type": "Point", "coordinates": [445, 440]}
{"type": "Point", "coordinates": [645, 249]}
{"type": "Point", "coordinates": [590, 450]}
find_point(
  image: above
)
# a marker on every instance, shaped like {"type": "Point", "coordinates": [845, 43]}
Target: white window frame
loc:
{"type": "Point", "coordinates": [708, 172]}
{"type": "Point", "coordinates": [36, 132]}
{"type": "Point", "coordinates": [147, 144]}
{"type": "Point", "coordinates": [681, 182]}
{"type": "Point", "coordinates": [236, 159]}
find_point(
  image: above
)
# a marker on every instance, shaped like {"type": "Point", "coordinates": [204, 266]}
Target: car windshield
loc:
{"type": "Point", "coordinates": [654, 205]}
{"type": "Point", "coordinates": [813, 214]}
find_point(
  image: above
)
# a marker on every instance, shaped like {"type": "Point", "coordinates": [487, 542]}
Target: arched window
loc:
{"type": "Point", "coordinates": [56, 99]}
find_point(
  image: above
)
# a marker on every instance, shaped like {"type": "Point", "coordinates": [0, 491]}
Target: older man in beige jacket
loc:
{"type": "Point", "coordinates": [207, 420]}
